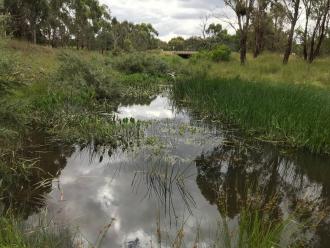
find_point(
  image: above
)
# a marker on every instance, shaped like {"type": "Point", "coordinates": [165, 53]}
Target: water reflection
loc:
{"type": "Point", "coordinates": [158, 109]}
{"type": "Point", "coordinates": [184, 171]}
{"type": "Point", "coordinates": [238, 172]}
{"type": "Point", "coordinates": [93, 193]}
{"type": "Point", "coordinates": [26, 194]}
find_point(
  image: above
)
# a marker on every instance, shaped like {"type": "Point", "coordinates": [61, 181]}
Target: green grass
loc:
{"type": "Point", "coordinates": [71, 94]}
{"type": "Point", "coordinates": [253, 231]}
{"type": "Point", "coordinates": [298, 115]}
{"type": "Point", "coordinates": [269, 68]}
{"type": "Point", "coordinates": [15, 233]}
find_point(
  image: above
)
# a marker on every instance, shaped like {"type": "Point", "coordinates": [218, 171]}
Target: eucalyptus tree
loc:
{"type": "Point", "coordinates": [37, 11]}
{"type": "Point", "coordinates": [177, 44]}
{"type": "Point", "coordinates": [243, 10]}
{"type": "Point", "coordinates": [59, 21]}
{"type": "Point", "coordinates": [80, 25]}
{"type": "Point", "coordinates": [308, 11]}
{"type": "Point", "coordinates": [219, 35]}
{"type": "Point", "coordinates": [4, 19]}
{"type": "Point", "coordinates": [27, 17]}
{"type": "Point", "coordinates": [86, 23]}
{"type": "Point", "coordinates": [277, 13]}
{"type": "Point", "coordinates": [105, 35]}
{"type": "Point", "coordinates": [143, 36]}
{"type": "Point", "coordinates": [292, 9]}
{"type": "Point", "coordinates": [316, 27]}
{"type": "Point", "coordinates": [259, 19]}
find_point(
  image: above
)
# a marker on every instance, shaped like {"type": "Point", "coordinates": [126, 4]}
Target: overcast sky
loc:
{"type": "Point", "coordinates": [170, 17]}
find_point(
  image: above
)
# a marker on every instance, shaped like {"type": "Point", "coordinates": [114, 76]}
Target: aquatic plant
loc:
{"type": "Point", "coordinates": [164, 175]}
{"type": "Point", "coordinates": [15, 232]}
{"type": "Point", "coordinates": [297, 115]}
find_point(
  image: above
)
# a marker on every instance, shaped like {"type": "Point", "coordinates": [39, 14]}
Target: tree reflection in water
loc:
{"type": "Point", "coordinates": [239, 174]}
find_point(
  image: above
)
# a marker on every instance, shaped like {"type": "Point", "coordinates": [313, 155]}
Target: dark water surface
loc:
{"type": "Point", "coordinates": [189, 173]}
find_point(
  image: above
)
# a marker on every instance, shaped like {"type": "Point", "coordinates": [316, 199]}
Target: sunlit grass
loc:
{"type": "Point", "coordinates": [269, 68]}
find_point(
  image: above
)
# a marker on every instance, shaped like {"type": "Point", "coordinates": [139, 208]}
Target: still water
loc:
{"type": "Point", "coordinates": [187, 173]}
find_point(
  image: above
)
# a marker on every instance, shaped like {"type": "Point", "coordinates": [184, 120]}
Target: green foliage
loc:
{"type": "Point", "coordinates": [139, 85]}
{"type": "Point", "coordinates": [17, 175]}
{"type": "Point", "coordinates": [177, 44]}
{"type": "Point", "coordinates": [9, 74]}
{"type": "Point", "coordinates": [86, 75]}
{"type": "Point", "coordinates": [9, 81]}
{"type": "Point", "coordinates": [220, 53]}
{"type": "Point", "coordinates": [294, 114]}
{"type": "Point", "coordinates": [4, 20]}
{"type": "Point", "coordinates": [141, 63]}
{"type": "Point", "coordinates": [254, 231]}
{"type": "Point", "coordinates": [15, 233]}
{"type": "Point", "coordinates": [80, 23]}
{"type": "Point", "coordinates": [128, 46]}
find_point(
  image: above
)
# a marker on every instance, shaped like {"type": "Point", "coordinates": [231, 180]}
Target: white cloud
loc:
{"type": "Point", "coordinates": [170, 17]}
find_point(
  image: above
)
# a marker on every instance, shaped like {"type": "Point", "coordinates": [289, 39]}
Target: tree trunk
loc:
{"type": "Point", "coordinates": [34, 33]}
{"type": "Point", "coordinates": [311, 49]}
{"type": "Point", "coordinates": [258, 41]}
{"type": "Point", "coordinates": [305, 51]}
{"type": "Point", "coordinates": [322, 32]}
{"type": "Point", "coordinates": [243, 45]}
{"type": "Point", "coordinates": [294, 20]}
{"type": "Point", "coordinates": [259, 29]}
{"type": "Point", "coordinates": [288, 48]}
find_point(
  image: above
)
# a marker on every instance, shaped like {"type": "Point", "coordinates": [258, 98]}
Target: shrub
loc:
{"type": "Point", "coordinates": [78, 73]}
{"type": "Point", "coordinates": [141, 63]}
{"type": "Point", "coordinates": [221, 53]}
{"type": "Point", "coordinates": [201, 55]}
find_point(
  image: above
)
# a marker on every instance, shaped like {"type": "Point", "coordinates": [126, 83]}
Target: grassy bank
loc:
{"type": "Point", "coordinates": [72, 94]}
{"type": "Point", "coordinates": [298, 115]}
{"type": "Point", "coordinates": [269, 68]}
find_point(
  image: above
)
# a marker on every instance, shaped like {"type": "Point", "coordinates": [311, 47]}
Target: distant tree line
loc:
{"type": "Point", "coordinates": [213, 36]}
{"type": "Point", "coordinates": [270, 25]}
{"type": "Point", "coordinates": [261, 25]}
{"type": "Point", "coordinates": [85, 24]}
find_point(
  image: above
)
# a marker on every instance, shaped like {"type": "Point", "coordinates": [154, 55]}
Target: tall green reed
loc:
{"type": "Point", "coordinates": [298, 115]}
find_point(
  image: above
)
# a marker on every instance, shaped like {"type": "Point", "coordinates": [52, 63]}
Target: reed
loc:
{"type": "Point", "coordinates": [298, 115]}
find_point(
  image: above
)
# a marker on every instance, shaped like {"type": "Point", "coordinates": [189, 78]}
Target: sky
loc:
{"type": "Point", "coordinates": [171, 18]}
